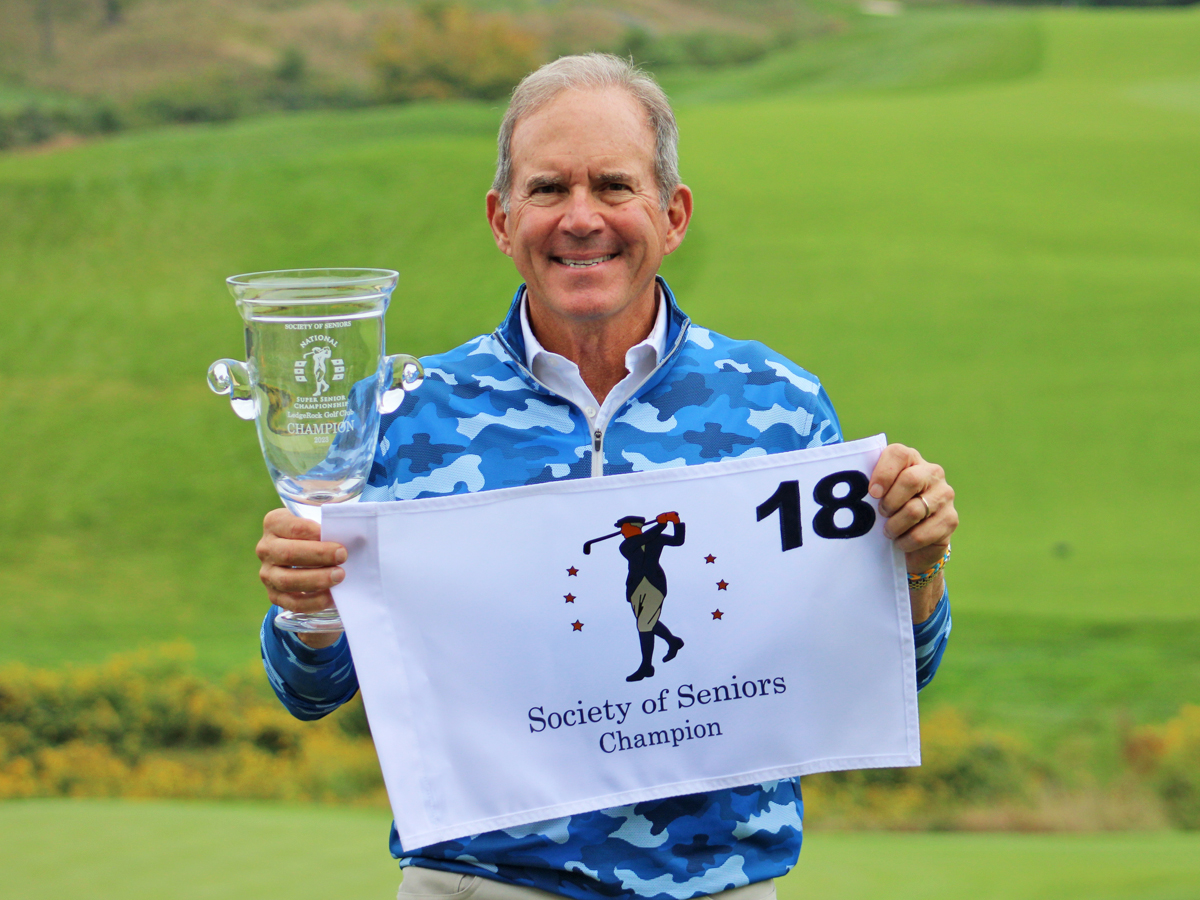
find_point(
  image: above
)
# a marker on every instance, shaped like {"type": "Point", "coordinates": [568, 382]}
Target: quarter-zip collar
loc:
{"type": "Point", "coordinates": [563, 376]}
{"type": "Point", "coordinates": [510, 336]}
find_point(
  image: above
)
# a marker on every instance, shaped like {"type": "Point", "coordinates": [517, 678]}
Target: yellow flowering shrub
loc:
{"type": "Point", "coordinates": [961, 767]}
{"type": "Point", "coordinates": [1169, 755]}
{"type": "Point", "coordinates": [144, 725]}
{"type": "Point", "coordinates": [436, 51]}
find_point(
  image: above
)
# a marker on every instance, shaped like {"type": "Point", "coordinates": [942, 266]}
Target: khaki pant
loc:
{"type": "Point", "coordinates": [431, 884]}
{"type": "Point", "coordinates": [647, 601]}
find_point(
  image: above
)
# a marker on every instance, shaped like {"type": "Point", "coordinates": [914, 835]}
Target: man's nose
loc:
{"type": "Point", "coordinates": [582, 215]}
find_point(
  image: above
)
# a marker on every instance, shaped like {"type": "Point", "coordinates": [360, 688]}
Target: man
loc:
{"type": "Point", "coordinates": [595, 371]}
{"type": "Point", "coordinates": [646, 584]}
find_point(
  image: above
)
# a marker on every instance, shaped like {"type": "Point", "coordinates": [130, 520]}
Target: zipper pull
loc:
{"type": "Point", "coordinates": [596, 439]}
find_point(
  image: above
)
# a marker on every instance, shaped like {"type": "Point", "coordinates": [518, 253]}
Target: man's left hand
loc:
{"type": "Point", "coordinates": [918, 504]}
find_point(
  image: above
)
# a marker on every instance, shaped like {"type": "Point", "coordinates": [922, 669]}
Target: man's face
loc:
{"type": "Point", "coordinates": [584, 225]}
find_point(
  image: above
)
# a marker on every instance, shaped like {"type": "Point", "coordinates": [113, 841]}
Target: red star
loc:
{"type": "Point", "coordinates": [722, 585]}
{"type": "Point", "coordinates": [572, 571]}
{"type": "Point", "coordinates": [577, 625]}
{"type": "Point", "coordinates": [710, 559]}
{"type": "Point", "coordinates": [717, 614]}
{"type": "Point", "coordinates": [570, 598]}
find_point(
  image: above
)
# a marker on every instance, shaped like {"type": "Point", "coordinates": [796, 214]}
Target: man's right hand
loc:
{"type": "Point", "coordinates": [298, 568]}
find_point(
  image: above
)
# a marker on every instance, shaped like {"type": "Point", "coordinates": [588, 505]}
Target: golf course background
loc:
{"type": "Point", "coordinates": [979, 227]}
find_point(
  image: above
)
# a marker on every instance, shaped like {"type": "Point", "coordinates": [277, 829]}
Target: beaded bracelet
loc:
{"type": "Point", "coordinates": [916, 582]}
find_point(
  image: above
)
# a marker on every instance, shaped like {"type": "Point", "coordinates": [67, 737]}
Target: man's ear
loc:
{"type": "Point", "coordinates": [498, 220]}
{"type": "Point", "coordinates": [679, 214]}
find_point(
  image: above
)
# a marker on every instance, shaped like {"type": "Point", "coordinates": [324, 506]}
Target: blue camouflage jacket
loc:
{"type": "Point", "coordinates": [481, 421]}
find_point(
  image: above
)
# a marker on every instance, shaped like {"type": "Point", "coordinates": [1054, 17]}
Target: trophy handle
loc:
{"type": "Point", "coordinates": [228, 376]}
{"type": "Point", "coordinates": [402, 373]}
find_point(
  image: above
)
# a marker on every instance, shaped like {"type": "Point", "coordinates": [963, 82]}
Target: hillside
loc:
{"type": "Point", "coordinates": [139, 61]}
{"type": "Point", "coordinates": [998, 267]}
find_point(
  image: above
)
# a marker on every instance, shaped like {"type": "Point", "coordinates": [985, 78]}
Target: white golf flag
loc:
{"type": "Point", "coordinates": [495, 652]}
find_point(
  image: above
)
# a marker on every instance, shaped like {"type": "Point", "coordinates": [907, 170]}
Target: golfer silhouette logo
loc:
{"type": "Point", "coordinates": [320, 354]}
{"type": "Point", "coordinates": [646, 584]}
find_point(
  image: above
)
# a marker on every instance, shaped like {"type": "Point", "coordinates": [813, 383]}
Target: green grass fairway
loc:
{"type": "Point", "coordinates": [978, 227]}
{"type": "Point", "coordinates": [102, 849]}
{"type": "Point", "coordinates": [106, 850]}
{"type": "Point", "coordinates": [996, 867]}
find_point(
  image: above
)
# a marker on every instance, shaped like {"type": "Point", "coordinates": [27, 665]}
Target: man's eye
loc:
{"type": "Point", "coordinates": [545, 189]}
{"type": "Point", "coordinates": [617, 186]}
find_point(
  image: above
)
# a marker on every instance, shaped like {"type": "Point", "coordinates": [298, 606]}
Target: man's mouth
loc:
{"type": "Point", "coordinates": [583, 263]}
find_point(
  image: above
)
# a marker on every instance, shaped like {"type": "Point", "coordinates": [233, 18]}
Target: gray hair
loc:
{"type": "Point", "coordinates": [589, 71]}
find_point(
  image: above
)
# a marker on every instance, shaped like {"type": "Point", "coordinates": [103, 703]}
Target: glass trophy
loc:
{"type": "Point", "coordinates": [315, 381]}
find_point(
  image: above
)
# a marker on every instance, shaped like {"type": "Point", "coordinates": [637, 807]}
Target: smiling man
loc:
{"type": "Point", "coordinates": [594, 371]}
{"type": "Point", "coordinates": [579, 208]}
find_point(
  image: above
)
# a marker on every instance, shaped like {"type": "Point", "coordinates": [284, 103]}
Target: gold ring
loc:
{"type": "Point", "coordinates": [928, 511]}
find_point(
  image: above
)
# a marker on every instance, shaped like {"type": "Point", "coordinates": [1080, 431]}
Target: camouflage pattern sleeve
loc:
{"type": "Point", "coordinates": [930, 638]}
{"type": "Point", "coordinates": [309, 683]}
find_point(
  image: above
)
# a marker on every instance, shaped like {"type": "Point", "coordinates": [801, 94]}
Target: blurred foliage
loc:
{"type": "Point", "coordinates": [159, 61]}
{"type": "Point", "coordinates": [704, 48]}
{"type": "Point", "coordinates": [143, 725]}
{"type": "Point", "coordinates": [35, 123]}
{"type": "Point", "coordinates": [220, 97]}
{"type": "Point", "coordinates": [1169, 755]}
{"type": "Point", "coordinates": [444, 50]}
{"type": "Point", "coordinates": [213, 96]}
{"type": "Point", "coordinates": [962, 767]}
{"type": "Point", "coordinates": [1100, 3]}
{"type": "Point", "coordinates": [292, 67]}
{"type": "Point", "coordinates": [133, 64]}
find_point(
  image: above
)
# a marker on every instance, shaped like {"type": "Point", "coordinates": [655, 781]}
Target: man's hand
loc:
{"type": "Point", "coordinates": [664, 518]}
{"type": "Point", "coordinates": [905, 485]}
{"type": "Point", "coordinates": [298, 568]}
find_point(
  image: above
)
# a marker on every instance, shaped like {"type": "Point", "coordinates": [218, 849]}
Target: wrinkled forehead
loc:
{"type": "Point", "coordinates": [607, 126]}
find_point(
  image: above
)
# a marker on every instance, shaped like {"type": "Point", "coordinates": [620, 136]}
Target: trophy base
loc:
{"type": "Point", "coordinates": [309, 623]}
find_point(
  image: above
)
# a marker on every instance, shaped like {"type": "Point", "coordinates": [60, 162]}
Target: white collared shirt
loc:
{"type": "Point", "coordinates": [562, 376]}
